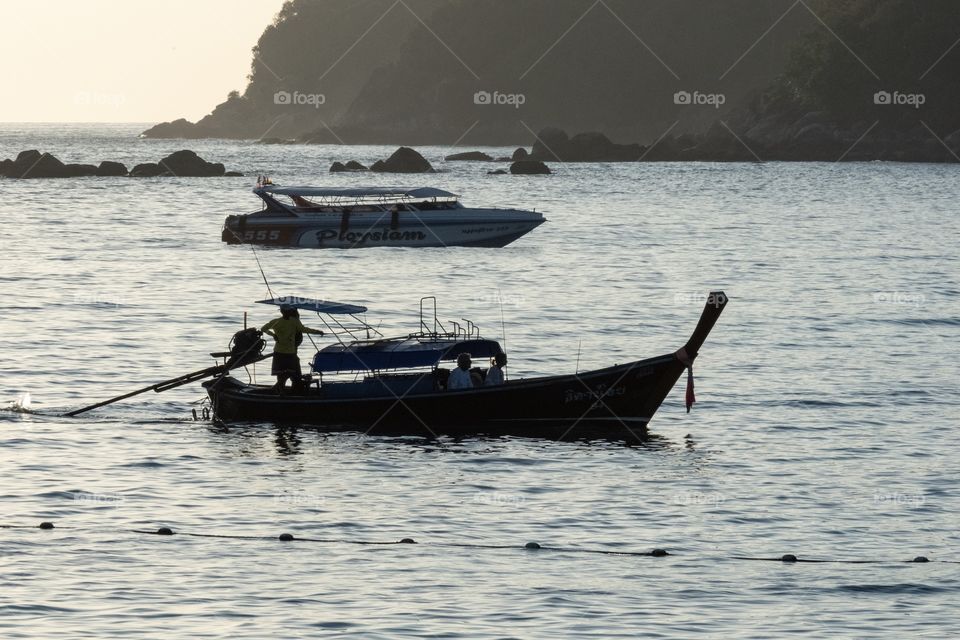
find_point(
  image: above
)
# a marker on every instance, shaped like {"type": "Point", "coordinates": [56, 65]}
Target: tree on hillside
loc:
{"type": "Point", "coordinates": [871, 46]}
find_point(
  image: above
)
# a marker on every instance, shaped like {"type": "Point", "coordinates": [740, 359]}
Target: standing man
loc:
{"type": "Point", "coordinates": [287, 331]}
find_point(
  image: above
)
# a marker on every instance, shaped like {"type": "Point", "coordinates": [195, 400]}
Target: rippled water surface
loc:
{"type": "Point", "coordinates": [826, 424]}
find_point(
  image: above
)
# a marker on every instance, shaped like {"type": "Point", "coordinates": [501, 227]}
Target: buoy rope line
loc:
{"type": "Point", "coordinates": [532, 546]}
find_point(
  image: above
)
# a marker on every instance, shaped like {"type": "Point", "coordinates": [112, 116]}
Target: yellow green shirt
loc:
{"type": "Point", "coordinates": [284, 332]}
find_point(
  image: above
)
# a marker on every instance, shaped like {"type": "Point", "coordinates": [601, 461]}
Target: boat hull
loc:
{"type": "Point", "coordinates": [614, 403]}
{"type": "Point", "coordinates": [455, 228]}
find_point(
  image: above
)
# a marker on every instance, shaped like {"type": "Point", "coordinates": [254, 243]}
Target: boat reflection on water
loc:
{"type": "Point", "coordinates": [254, 439]}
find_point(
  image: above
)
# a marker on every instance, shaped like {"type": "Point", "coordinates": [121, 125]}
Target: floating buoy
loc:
{"type": "Point", "coordinates": [787, 558]}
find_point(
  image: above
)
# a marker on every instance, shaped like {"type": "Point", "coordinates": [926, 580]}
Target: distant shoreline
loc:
{"type": "Point", "coordinates": [705, 148]}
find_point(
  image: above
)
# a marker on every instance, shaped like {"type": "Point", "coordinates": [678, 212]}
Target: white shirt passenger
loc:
{"type": "Point", "coordinates": [459, 379]}
{"type": "Point", "coordinates": [494, 376]}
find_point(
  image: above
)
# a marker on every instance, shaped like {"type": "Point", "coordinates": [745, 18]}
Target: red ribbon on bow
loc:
{"type": "Point", "coordinates": [685, 358]}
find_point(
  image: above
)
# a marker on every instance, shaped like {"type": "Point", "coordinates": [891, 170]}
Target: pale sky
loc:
{"type": "Point", "coordinates": [125, 60]}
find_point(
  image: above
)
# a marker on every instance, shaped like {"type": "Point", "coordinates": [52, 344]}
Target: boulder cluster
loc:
{"type": "Point", "coordinates": [34, 164]}
{"type": "Point", "coordinates": [403, 160]}
{"type": "Point", "coordinates": [554, 145]}
{"type": "Point", "coordinates": [184, 163]}
{"type": "Point", "coordinates": [407, 160]}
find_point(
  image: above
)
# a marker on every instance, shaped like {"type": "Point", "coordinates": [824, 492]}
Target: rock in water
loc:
{"type": "Point", "coordinates": [520, 154]}
{"type": "Point", "coordinates": [477, 156]}
{"type": "Point", "coordinates": [146, 170]}
{"type": "Point", "coordinates": [529, 168]}
{"type": "Point", "coordinates": [403, 160]}
{"type": "Point", "coordinates": [47, 167]}
{"type": "Point", "coordinates": [181, 128]}
{"type": "Point", "coordinates": [27, 158]}
{"type": "Point", "coordinates": [186, 163]}
{"type": "Point", "coordinates": [554, 144]}
{"type": "Point", "coordinates": [79, 170]}
{"type": "Point", "coordinates": [353, 165]}
{"type": "Point", "coordinates": [551, 144]}
{"type": "Point", "coordinates": [33, 164]}
{"type": "Point", "coordinates": [110, 168]}
{"type": "Point", "coordinates": [596, 147]}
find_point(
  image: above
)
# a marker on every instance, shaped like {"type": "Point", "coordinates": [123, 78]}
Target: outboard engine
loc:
{"type": "Point", "coordinates": [245, 347]}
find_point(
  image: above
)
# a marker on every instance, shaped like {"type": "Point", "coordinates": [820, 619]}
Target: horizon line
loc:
{"type": "Point", "coordinates": [77, 121]}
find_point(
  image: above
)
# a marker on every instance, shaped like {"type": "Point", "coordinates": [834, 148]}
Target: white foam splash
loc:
{"type": "Point", "coordinates": [22, 403]}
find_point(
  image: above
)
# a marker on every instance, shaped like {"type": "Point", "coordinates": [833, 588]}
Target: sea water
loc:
{"type": "Point", "coordinates": [826, 425]}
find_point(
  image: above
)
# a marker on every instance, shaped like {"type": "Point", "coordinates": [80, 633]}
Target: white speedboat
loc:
{"type": "Point", "coordinates": [374, 217]}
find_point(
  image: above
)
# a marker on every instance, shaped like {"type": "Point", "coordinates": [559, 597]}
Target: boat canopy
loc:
{"type": "Point", "coordinates": [403, 353]}
{"type": "Point", "coordinates": [417, 193]}
{"type": "Point", "coordinates": [319, 306]}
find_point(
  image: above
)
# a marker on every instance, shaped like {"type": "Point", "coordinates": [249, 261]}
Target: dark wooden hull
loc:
{"type": "Point", "coordinates": [615, 403]}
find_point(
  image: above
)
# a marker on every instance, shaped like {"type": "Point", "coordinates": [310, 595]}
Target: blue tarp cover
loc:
{"type": "Point", "coordinates": [407, 353]}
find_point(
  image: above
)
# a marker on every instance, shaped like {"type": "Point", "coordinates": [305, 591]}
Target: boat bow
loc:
{"type": "Point", "coordinates": [716, 301]}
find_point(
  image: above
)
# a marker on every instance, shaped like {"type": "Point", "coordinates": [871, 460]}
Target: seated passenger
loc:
{"type": "Point", "coordinates": [460, 377]}
{"type": "Point", "coordinates": [495, 372]}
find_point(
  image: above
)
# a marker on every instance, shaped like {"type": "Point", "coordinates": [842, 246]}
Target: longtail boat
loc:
{"type": "Point", "coordinates": [367, 382]}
